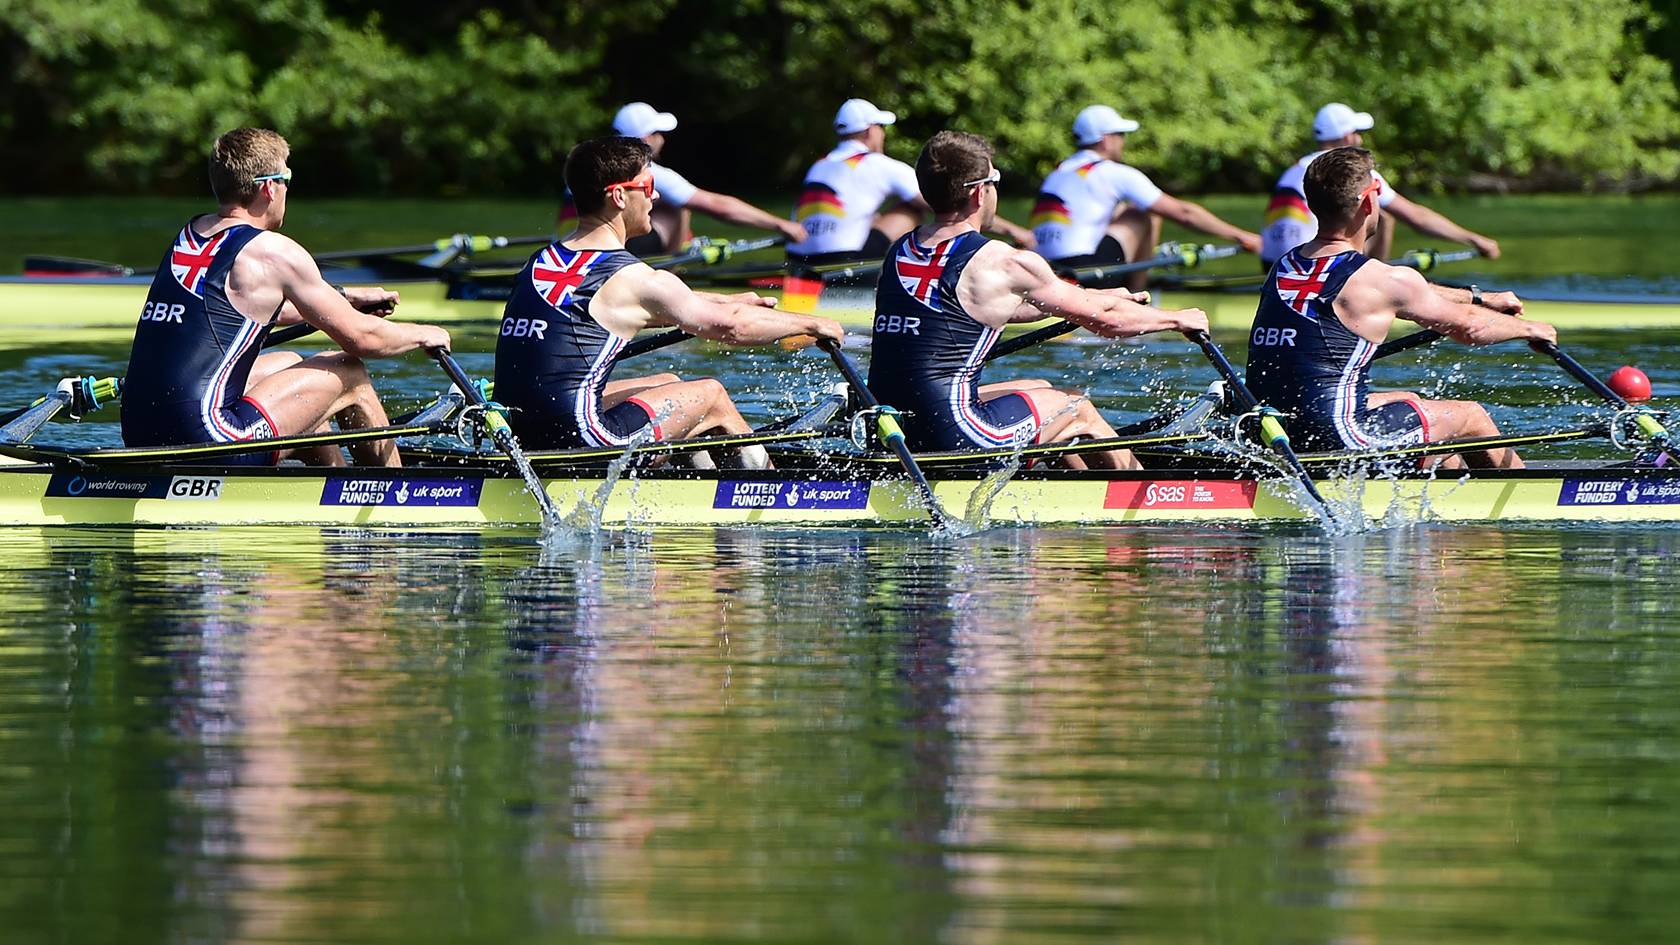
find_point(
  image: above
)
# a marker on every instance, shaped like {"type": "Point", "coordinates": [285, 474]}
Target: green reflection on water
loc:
{"type": "Point", "coordinates": [1165, 735]}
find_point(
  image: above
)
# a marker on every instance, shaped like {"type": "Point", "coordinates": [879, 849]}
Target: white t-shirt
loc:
{"type": "Point", "coordinates": [1288, 221]}
{"type": "Point", "coordinates": [1078, 201]}
{"type": "Point", "coordinates": [673, 189]}
{"type": "Point", "coordinates": [841, 195]}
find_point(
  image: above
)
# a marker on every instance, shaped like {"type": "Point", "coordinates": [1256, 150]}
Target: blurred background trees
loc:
{"type": "Point", "coordinates": [459, 97]}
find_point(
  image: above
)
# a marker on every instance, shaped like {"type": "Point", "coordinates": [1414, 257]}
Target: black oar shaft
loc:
{"type": "Point", "coordinates": [1271, 428]}
{"type": "Point", "coordinates": [886, 424]}
{"type": "Point", "coordinates": [500, 432]}
{"type": "Point", "coordinates": [1416, 339]}
{"type": "Point", "coordinates": [1034, 337]}
{"type": "Point", "coordinates": [664, 339]}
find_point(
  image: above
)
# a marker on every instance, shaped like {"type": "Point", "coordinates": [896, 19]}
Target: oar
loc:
{"type": "Point", "coordinates": [886, 425]}
{"type": "Point", "coordinates": [711, 253]}
{"type": "Point", "coordinates": [500, 432]}
{"type": "Point", "coordinates": [460, 244]}
{"type": "Point", "coordinates": [1271, 428]}
{"type": "Point", "coordinates": [1174, 255]}
{"type": "Point", "coordinates": [1171, 254]}
{"type": "Point", "coordinates": [1642, 417]}
{"type": "Point", "coordinates": [82, 395]}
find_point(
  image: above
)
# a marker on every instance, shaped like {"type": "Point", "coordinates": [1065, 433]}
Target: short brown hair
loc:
{"type": "Point", "coordinates": [949, 160]}
{"type": "Point", "coordinates": [1333, 183]}
{"type": "Point", "coordinates": [241, 156]}
{"type": "Point", "coordinates": [598, 163]}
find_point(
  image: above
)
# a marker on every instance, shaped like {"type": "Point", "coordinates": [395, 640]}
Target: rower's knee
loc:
{"type": "Point", "coordinates": [660, 380]}
{"type": "Point", "coordinates": [1479, 421]}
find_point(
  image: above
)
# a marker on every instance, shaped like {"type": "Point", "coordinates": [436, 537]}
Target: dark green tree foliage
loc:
{"type": "Point", "coordinates": [378, 95]}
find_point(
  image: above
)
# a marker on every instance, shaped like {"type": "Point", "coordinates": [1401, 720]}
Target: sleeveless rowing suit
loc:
{"type": "Point", "coordinates": [1305, 362]}
{"type": "Point", "coordinates": [927, 352]}
{"type": "Point", "coordinates": [193, 352]}
{"type": "Point", "coordinates": [553, 359]}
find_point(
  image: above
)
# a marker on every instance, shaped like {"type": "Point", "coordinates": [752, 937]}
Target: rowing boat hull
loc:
{"type": "Point", "coordinates": [32, 495]}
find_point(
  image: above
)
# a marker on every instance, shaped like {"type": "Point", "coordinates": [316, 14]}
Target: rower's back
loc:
{"type": "Point", "coordinates": [926, 349]}
{"type": "Point", "coordinates": [552, 357]}
{"type": "Point", "coordinates": [1302, 359]}
{"type": "Point", "coordinates": [192, 350]}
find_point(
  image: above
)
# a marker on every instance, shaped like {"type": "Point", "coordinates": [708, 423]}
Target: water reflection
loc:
{"type": "Point", "coordinates": [335, 735]}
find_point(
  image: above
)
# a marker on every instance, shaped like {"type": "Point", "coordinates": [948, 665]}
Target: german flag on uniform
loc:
{"type": "Point", "coordinates": [818, 199]}
{"type": "Point", "coordinates": [1048, 208]}
{"type": "Point", "coordinates": [1286, 204]}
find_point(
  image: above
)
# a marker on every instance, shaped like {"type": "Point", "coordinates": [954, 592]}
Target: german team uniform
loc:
{"type": "Point", "coordinates": [553, 359]}
{"type": "Point", "coordinates": [839, 200]}
{"type": "Point", "coordinates": [1304, 362]}
{"type": "Point", "coordinates": [1289, 222]}
{"type": "Point", "coordinates": [927, 352]}
{"type": "Point", "coordinates": [1075, 205]}
{"type": "Point", "coordinates": [193, 352]}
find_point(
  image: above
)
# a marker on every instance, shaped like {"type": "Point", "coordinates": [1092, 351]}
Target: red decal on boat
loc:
{"type": "Point", "coordinates": [1181, 494]}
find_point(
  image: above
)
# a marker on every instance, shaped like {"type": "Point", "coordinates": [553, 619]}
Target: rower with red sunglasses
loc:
{"type": "Point", "coordinates": [1326, 307]}
{"type": "Point", "coordinates": [580, 300]}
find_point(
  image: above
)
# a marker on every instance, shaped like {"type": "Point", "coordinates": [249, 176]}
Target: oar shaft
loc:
{"type": "Point", "coordinates": [499, 431]}
{"type": "Point", "coordinates": [1036, 336]}
{"type": "Point", "coordinates": [1271, 428]}
{"type": "Point", "coordinates": [886, 424]}
{"type": "Point", "coordinates": [664, 339]}
{"type": "Point", "coordinates": [1416, 339]}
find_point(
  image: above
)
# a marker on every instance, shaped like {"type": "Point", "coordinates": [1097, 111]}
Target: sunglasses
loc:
{"type": "Point", "coordinates": [642, 182]}
{"type": "Point", "coordinates": [284, 177]}
{"type": "Point", "coordinates": [1374, 187]}
{"type": "Point", "coordinates": [992, 178]}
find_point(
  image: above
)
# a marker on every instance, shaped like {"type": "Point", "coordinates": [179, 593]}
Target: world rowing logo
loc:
{"type": "Point", "coordinates": [556, 277]}
{"type": "Point", "coordinates": [919, 270]}
{"type": "Point", "coordinates": [191, 259]}
{"type": "Point", "coordinates": [1300, 281]}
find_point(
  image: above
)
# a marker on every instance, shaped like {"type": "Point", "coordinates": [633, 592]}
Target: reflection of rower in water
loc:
{"type": "Point", "coordinates": [944, 297]}
{"type": "Point", "coordinates": [196, 373]}
{"type": "Point", "coordinates": [1326, 306]}
{"type": "Point", "coordinates": [579, 300]}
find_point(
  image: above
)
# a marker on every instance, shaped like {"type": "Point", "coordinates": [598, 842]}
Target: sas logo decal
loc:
{"type": "Point", "coordinates": [1181, 494]}
{"type": "Point", "coordinates": [791, 495]}
{"type": "Point", "coordinates": [1619, 492]}
{"type": "Point", "coordinates": [409, 492]}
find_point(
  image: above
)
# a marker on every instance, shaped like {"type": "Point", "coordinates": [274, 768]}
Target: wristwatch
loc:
{"type": "Point", "coordinates": [1475, 294]}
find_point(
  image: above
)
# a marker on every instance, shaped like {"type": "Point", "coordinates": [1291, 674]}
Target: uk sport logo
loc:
{"type": "Point", "coordinates": [190, 260]}
{"type": "Point", "coordinates": [919, 270]}
{"type": "Point", "coordinates": [556, 277]}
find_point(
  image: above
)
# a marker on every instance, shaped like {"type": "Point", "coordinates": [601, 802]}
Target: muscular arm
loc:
{"type": "Point", "coordinates": [319, 304]}
{"type": "Point", "coordinates": [736, 210]}
{"type": "Point", "coordinates": [1197, 217]}
{"type": "Point", "coordinates": [1112, 315]}
{"type": "Point", "coordinates": [731, 322]}
{"type": "Point", "coordinates": [1415, 300]}
{"type": "Point", "coordinates": [1431, 223]}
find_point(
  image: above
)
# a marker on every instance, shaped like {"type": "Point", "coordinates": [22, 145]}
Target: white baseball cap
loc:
{"type": "Point", "coordinates": [1098, 120]}
{"type": "Point", "coordinates": [1336, 120]}
{"type": "Point", "coordinates": [857, 114]}
{"type": "Point", "coordinates": [639, 119]}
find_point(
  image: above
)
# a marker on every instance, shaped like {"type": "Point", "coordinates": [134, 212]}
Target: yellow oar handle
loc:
{"type": "Point", "coordinates": [886, 425]}
{"type": "Point", "coordinates": [1649, 426]}
{"type": "Point", "coordinates": [1271, 428]}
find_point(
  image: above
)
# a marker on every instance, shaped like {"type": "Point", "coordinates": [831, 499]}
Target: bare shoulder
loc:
{"type": "Point", "coordinates": [277, 249]}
